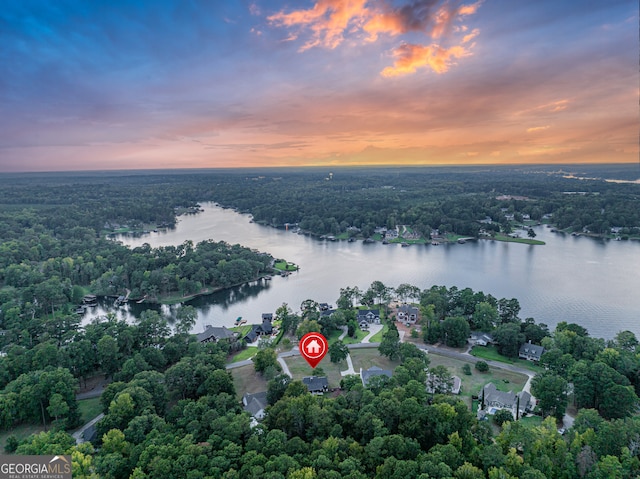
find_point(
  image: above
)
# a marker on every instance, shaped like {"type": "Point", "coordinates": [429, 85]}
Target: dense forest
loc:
{"type": "Point", "coordinates": [171, 408]}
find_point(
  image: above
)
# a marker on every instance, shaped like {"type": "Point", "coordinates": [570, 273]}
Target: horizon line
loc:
{"type": "Point", "coordinates": [301, 167]}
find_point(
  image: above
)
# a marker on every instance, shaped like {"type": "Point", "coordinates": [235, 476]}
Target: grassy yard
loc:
{"type": "Point", "coordinates": [20, 432]}
{"type": "Point", "coordinates": [299, 369]}
{"type": "Point", "coordinates": [509, 239]}
{"type": "Point", "coordinates": [365, 358]}
{"type": "Point", "coordinates": [89, 408]}
{"type": "Point", "coordinates": [347, 340]}
{"type": "Point", "coordinates": [246, 380]}
{"type": "Point", "coordinates": [285, 266]}
{"type": "Point", "coordinates": [491, 353]}
{"type": "Point", "coordinates": [376, 338]}
{"type": "Point", "coordinates": [247, 353]}
{"type": "Point", "coordinates": [531, 421]}
{"type": "Point", "coordinates": [242, 330]}
{"type": "Point", "coordinates": [503, 379]}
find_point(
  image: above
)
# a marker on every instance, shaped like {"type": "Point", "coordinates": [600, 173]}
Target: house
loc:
{"type": "Point", "coordinates": [214, 334]}
{"type": "Point", "coordinates": [367, 374]}
{"type": "Point", "coordinates": [324, 306]}
{"type": "Point", "coordinates": [369, 315]}
{"type": "Point", "coordinates": [407, 314]}
{"type": "Point", "coordinates": [257, 330]}
{"type": "Point", "coordinates": [364, 325]}
{"type": "Point", "coordinates": [434, 386]}
{"type": "Point", "coordinates": [480, 338]}
{"type": "Point", "coordinates": [530, 352]}
{"type": "Point", "coordinates": [255, 404]}
{"type": "Point", "coordinates": [266, 328]}
{"type": "Point", "coordinates": [495, 400]}
{"type": "Point", "coordinates": [316, 384]}
{"type": "Point", "coordinates": [327, 312]}
{"type": "Point", "coordinates": [391, 234]}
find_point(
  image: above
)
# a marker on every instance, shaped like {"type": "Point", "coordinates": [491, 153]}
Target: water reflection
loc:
{"type": "Point", "coordinates": [233, 296]}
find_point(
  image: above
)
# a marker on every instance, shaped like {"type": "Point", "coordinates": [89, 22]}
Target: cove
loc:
{"type": "Point", "coordinates": [588, 281]}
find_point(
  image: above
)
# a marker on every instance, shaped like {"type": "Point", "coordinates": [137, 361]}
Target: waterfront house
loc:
{"type": "Point", "coordinates": [407, 314]}
{"type": "Point", "coordinates": [530, 352]}
{"type": "Point", "coordinates": [369, 315]}
{"type": "Point", "coordinates": [480, 338]}
{"type": "Point", "coordinates": [214, 334]}
{"type": "Point", "coordinates": [257, 330]}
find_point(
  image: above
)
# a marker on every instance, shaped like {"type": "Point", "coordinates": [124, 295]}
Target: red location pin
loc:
{"type": "Point", "coordinates": [313, 347]}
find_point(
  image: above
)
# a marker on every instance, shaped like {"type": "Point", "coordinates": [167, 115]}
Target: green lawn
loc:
{"type": "Point", "coordinates": [347, 340]}
{"type": "Point", "coordinates": [491, 353]}
{"type": "Point", "coordinates": [247, 353]}
{"type": "Point", "coordinates": [531, 421]}
{"type": "Point", "coordinates": [285, 266]}
{"type": "Point", "coordinates": [242, 330]}
{"type": "Point", "coordinates": [376, 338]}
{"type": "Point", "coordinates": [360, 334]}
{"type": "Point", "coordinates": [509, 239]}
{"type": "Point", "coordinates": [21, 432]}
{"type": "Point", "coordinates": [299, 369]}
{"type": "Point", "coordinates": [89, 408]}
{"type": "Point", "coordinates": [471, 385]}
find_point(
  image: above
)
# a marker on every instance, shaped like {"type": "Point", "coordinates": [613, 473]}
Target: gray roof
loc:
{"type": "Point", "coordinates": [366, 374]}
{"type": "Point", "coordinates": [252, 335]}
{"type": "Point", "coordinates": [505, 399]}
{"type": "Point", "coordinates": [362, 313]}
{"type": "Point", "coordinates": [475, 335]}
{"type": "Point", "coordinates": [407, 308]}
{"type": "Point", "coordinates": [316, 383]}
{"type": "Point", "coordinates": [254, 403]}
{"type": "Point", "coordinates": [533, 350]}
{"type": "Point", "coordinates": [212, 333]}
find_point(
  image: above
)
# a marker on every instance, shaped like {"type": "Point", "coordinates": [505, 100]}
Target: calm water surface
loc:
{"type": "Point", "coordinates": [591, 282]}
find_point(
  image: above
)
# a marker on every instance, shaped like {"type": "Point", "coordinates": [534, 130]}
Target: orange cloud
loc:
{"type": "Point", "coordinates": [467, 38]}
{"type": "Point", "coordinates": [447, 14]}
{"type": "Point", "coordinates": [538, 128]}
{"type": "Point", "coordinates": [330, 20]}
{"type": "Point", "coordinates": [410, 58]}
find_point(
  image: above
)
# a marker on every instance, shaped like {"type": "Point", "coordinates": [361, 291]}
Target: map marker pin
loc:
{"type": "Point", "coordinates": [313, 347]}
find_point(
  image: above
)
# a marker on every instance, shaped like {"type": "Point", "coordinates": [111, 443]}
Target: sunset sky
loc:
{"type": "Point", "coordinates": [110, 84]}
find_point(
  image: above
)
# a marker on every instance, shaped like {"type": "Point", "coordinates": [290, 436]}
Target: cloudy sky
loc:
{"type": "Point", "coordinates": [110, 84]}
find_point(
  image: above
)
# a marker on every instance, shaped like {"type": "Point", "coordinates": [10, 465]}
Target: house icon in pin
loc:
{"type": "Point", "coordinates": [313, 347]}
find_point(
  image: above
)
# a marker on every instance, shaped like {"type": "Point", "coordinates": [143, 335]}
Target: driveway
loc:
{"type": "Point", "coordinates": [373, 329]}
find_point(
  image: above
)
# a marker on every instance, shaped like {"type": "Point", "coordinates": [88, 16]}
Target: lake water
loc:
{"type": "Point", "coordinates": [587, 281]}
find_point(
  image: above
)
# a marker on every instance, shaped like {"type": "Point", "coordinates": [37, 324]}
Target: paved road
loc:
{"type": "Point", "coordinates": [79, 434]}
{"type": "Point", "coordinates": [441, 350]}
{"type": "Point", "coordinates": [350, 369]}
{"type": "Point", "coordinates": [285, 368]}
{"type": "Point", "coordinates": [95, 392]}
